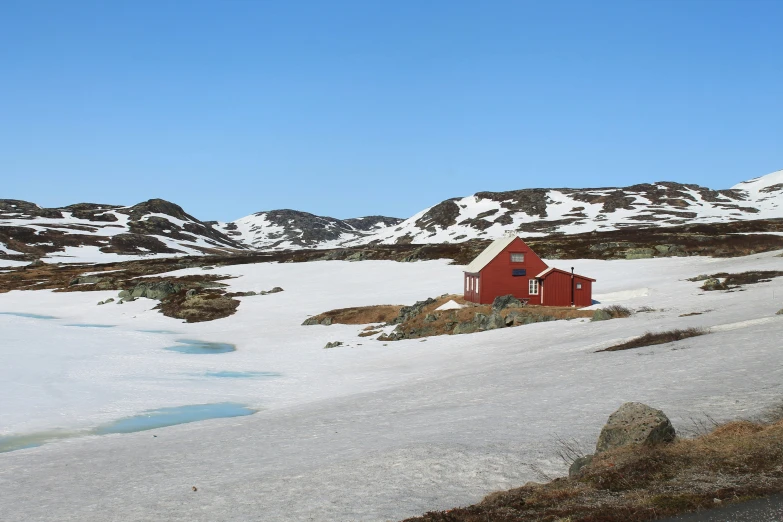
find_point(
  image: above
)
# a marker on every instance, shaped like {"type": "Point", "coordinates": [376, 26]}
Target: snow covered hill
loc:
{"type": "Point", "coordinates": [156, 227]}
{"type": "Point", "coordinates": [531, 212]}
{"type": "Point", "coordinates": [291, 229]}
{"type": "Point", "coordinates": [95, 232]}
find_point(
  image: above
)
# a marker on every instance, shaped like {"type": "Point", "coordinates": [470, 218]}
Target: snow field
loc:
{"type": "Point", "coordinates": [368, 432]}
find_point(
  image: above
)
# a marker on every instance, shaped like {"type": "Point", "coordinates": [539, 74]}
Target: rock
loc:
{"type": "Point", "coordinates": [159, 290]}
{"type": "Point", "coordinates": [601, 315]}
{"type": "Point", "coordinates": [327, 321]}
{"type": "Point", "coordinates": [333, 344]}
{"type": "Point", "coordinates": [713, 284]}
{"type": "Point", "coordinates": [465, 328]}
{"type": "Point", "coordinates": [356, 256]}
{"type": "Point", "coordinates": [207, 267]}
{"type": "Point", "coordinates": [576, 467]}
{"type": "Point", "coordinates": [635, 423]}
{"type": "Point", "coordinates": [506, 301]}
{"type": "Point", "coordinates": [190, 293]}
{"type": "Point", "coordinates": [109, 300]}
{"type": "Point", "coordinates": [639, 253]}
{"type": "Point", "coordinates": [429, 318]}
{"type": "Point", "coordinates": [311, 321]}
{"type": "Point", "coordinates": [514, 318]}
{"type": "Point", "coordinates": [780, 312]}
{"type": "Point", "coordinates": [101, 303]}
{"type": "Point", "coordinates": [409, 312]}
{"type": "Point", "coordinates": [37, 262]}
{"type": "Point", "coordinates": [124, 294]}
{"type": "Point", "coordinates": [662, 248]}
{"type": "Point", "coordinates": [491, 321]}
{"type": "Point", "coordinates": [275, 290]}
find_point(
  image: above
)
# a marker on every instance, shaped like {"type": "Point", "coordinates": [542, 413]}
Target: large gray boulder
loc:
{"type": "Point", "coordinates": [505, 301]}
{"type": "Point", "coordinates": [635, 423]}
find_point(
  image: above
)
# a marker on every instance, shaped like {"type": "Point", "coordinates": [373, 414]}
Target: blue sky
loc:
{"type": "Point", "coordinates": [369, 107]}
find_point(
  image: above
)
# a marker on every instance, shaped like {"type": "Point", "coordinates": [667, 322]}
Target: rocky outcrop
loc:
{"type": "Point", "coordinates": [409, 312]}
{"type": "Point", "coordinates": [158, 290]}
{"type": "Point", "coordinates": [506, 301]}
{"type": "Point", "coordinates": [635, 423]}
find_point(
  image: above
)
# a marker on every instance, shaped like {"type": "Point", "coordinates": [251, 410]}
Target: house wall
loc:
{"type": "Point", "coordinates": [583, 297]}
{"type": "Point", "coordinates": [557, 290]}
{"type": "Point", "coordinates": [496, 278]}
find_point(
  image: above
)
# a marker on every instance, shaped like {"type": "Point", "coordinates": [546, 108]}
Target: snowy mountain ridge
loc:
{"type": "Point", "coordinates": [530, 212]}
{"type": "Point", "coordinates": [96, 232]}
{"type": "Point", "coordinates": [106, 232]}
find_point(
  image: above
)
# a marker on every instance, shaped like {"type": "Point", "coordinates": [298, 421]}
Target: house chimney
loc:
{"type": "Point", "coordinates": [572, 287]}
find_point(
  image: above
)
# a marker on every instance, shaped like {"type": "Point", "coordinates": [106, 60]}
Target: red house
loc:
{"type": "Point", "coordinates": [509, 266]}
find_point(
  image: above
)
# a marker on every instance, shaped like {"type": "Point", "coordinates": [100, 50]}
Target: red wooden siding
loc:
{"type": "Point", "coordinates": [583, 296]}
{"type": "Point", "coordinates": [557, 289]}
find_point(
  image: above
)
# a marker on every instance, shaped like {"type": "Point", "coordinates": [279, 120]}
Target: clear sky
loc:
{"type": "Point", "coordinates": [229, 107]}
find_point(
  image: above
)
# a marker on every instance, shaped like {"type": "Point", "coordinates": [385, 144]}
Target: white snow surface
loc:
{"type": "Point", "coordinates": [368, 431]}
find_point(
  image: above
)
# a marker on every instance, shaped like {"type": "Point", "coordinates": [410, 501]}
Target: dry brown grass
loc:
{"type": "Point", "coordinates": [362, 314]}
{"type": "Point", "coordinates": [736, 461]}
{"type": "Point", "coordinates": [653, 338]}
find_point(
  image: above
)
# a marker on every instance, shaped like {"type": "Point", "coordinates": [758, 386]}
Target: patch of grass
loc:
{"type": "Point", "coordinates": [653, 338]}
{"type": "Point", "coordinates": [733, 462]}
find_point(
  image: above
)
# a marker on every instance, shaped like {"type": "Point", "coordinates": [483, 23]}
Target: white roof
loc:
{"type": "Point", "coordinates": [489, 253]}
{"type": "Point", "coordinates": [545, 272]}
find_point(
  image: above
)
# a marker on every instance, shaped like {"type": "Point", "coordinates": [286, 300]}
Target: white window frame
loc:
{"type": "Point", "coordinates": [532, 286]}
{"type": "Point", "coordinates": [579, 286]}
{"type": "Point", "coordinates": [477, 284]}
{"type": "Point", "coordinates": [521, 254]}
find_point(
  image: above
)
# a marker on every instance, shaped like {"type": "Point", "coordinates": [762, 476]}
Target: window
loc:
{"type": "Point", "coordinates": [533, 287]}
{"type": "Point", "coordinates": [477, 282]}
{"type": "Point", "coordinates": [517, 257]}
{"type": "Point", "coordinates": [516, 272]}
{"type": "Point", "coordinates": [579, 286]}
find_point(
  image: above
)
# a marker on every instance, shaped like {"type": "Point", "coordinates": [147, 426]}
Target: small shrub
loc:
{"type": "Point", "coordinates": [617, 311]}
{"type": "Point", "coordinates": [653, 338]}
{"type": "Point", "coordinates": [611, 312]}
